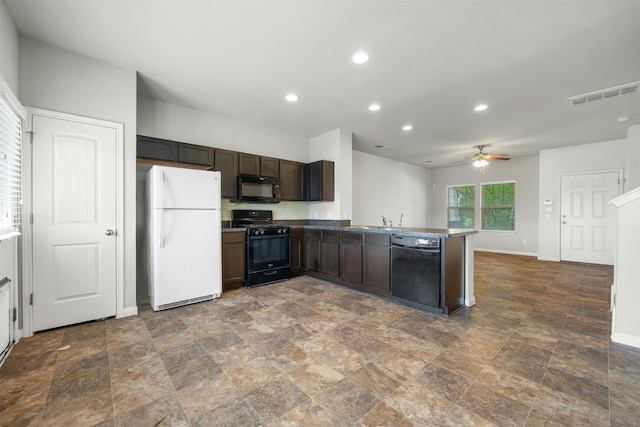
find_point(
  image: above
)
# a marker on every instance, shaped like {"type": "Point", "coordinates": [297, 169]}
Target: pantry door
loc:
{"type": "Point", "coordinates": [74, 233]}
{"type": "Point", "coordinates": [587, 229]}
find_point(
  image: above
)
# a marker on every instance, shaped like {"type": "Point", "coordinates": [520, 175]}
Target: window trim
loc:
{"type": "Point", "coordinates": [475, 201]}
{"type": "Point", "coordinates": [482, 184]}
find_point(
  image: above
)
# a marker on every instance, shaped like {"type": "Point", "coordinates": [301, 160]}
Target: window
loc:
{"type": "Point", "coordinates": [10, 162]}
{"type": "Point", "coordinates": [461, 202]}
{"type": "Point", "coordinates": [498, 206]}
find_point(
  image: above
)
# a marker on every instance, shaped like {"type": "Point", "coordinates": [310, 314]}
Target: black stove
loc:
{"type": "Point", "coordinates": [267, 247]}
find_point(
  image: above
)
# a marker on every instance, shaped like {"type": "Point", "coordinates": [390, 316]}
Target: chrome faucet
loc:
{"type": "Point", "coordinates": [384, 221]}
{"type": "Point", "coordinates": [400, 223]}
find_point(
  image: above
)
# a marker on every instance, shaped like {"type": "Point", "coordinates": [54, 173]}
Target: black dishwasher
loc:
{"type": "Point", "coordinates": [415, 271]}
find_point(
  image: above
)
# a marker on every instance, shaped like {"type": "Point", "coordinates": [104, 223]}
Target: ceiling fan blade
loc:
{"type": "Point", "coordinates": [498, 157]}
{"type": "Point", "coordinates": [460, 162]}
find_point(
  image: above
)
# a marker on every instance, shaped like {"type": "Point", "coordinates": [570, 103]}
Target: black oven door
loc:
{"type": "Point", "coordinates": [267, 252]}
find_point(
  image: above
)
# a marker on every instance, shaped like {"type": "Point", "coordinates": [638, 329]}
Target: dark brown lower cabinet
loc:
{"type": "Point", "coordinates": [297, 251]}
{"type": "Point", "coordinates": [351, 259]}
{"type": "Point", "coordinates": [312, 251]}
{"type": "Point", "coordinates": [377, 263]}
{"type": "Point", "coordinates": [330, 254]}
{"type": "Point", "coordinates": [233, 259]}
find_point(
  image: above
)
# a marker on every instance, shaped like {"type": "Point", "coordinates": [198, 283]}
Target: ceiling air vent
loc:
{"type": "Point", "coordinates": [604, 93]}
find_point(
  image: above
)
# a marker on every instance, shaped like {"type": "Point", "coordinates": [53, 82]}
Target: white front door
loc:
{"type": "Point", "coordinates": [74, 205]}
{"type": "Point", "coordinates": [587, 231]}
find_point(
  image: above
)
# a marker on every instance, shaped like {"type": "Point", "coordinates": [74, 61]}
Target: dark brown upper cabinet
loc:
{"type": "Point", "coordinates": [157, 149]}
{"type": "Point", "coordinates": [291, 180]}
{"type": "Point", "coordinates": [249, 164]}
{"type": "Point", "coordinates": [195, 154]}
{"type": "Point", "coordinates": [319, 179]}
{"type": "Point", "coordinates": [269, 167]}
{"type": "Point", "coordinates": [227, 163]}
{"type": "Point", "coordinates": [252, 164]}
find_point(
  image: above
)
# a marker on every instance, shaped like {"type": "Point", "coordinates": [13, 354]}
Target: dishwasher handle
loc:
{"type": "Point", "coordinates": [417, 248]}
{"type": "Point", "coordinates": [427, 244]}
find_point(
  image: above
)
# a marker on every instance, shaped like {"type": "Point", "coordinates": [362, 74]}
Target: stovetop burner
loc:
{"type": "Point", "coordinates": [258, 222]}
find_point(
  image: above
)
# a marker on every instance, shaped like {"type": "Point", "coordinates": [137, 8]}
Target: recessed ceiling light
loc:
{"type": "Point", "coordinates": [374, 107]}
{"type": "Point", "coordinates": [407, 128]}
{"type": "Point", "coordinates": [378, 146]}
{"type": "Point", "coordinates": [291, 97]}
{"type": "Point", "coordinates": [623, 119]}
{"type": "Point", "coordinates": [429, 161]}
{"type": "Point", "coordinates": [360, 57]}
{"type": "Point", "coordinates": [481, 107]}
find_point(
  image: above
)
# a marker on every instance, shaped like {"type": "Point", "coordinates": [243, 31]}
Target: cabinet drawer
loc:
{"type": "Point", "coordinates": [377, 239]}
{"type": "Point", "coordinates": [233, 237]}
{"type": "Point", "coordinates": [330, 235]}
{"type": "Point", "coordinates": [350, 237]}
{"type": "Point", "coordinates": [314, 234]}
{"type": "Point", "coordinates": [296, 233]}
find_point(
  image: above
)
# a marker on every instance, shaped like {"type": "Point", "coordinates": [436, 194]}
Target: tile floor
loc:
{"type": "Point", "coordinates": [534, 351]}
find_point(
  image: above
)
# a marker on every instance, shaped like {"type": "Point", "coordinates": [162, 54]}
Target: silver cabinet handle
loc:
{"type": "Point", "coordinates": [109, 232]}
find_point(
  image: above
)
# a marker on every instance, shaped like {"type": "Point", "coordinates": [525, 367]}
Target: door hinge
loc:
{"type": "Point", "coordinates": [15, 314]}
{"type": "Point", "coordinates": [31, 218]}
{"type": "Point", "coordinates": [31, 133]}
{"type": "Point", "coordinates": [31, 299]}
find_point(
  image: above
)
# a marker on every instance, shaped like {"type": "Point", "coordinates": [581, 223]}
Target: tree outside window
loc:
{"type": "Point", "coordinates": [498, 206]}
{"type": "Point", "coordinates": [461, 202]}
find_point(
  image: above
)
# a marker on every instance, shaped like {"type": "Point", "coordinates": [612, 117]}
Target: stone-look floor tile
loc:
{"type": "Point", "coordinates": [459, 363]}
{"type": "Point", "coordinates": [325, 351]}
{"type": "Point", "coordinates": [209, 393]}
{"type": "Point", "coordinates": [125, 331]}
{"type": "Point", "coordinates": [377, 379]}
{"type": "Point", "coordinates": [346, 401]}
{"type": "Point", "coordinates": [460, 416]}
{"type": "Point", "coordinates": [514, 386]}
{"type": "Point", "coordinates": [384, 415]}
{"type": "Point", "coordinates": [446, 383]}
{"type": "Point", "coordinates": [40, 342]}
{"type": "Point", "coordinates": [221, 340]}
{"type": "Point", "coordinates": [418, 404]}
{"type": "Point", "coordinates": [86, 409]}
{"type": "Point", "coordinates": [403, 362]}
{"type": "Point", "coordinates": [252, 374]}
{"type": "Point", "coordinates": [23, 397]}
{"type": "Point", "coordinates": [624, 403]}
{"type": "Point", "coordinates": [273, 318]}
{"type": "Point", "coordinates": [18, 366]}
{"type": "Point", "coordinates": [80, 377]}
{"type": "Point", "coordinates": [237, 412]}
{"type": "Point", "coordinates": [253, 330]}
{"type": "Point", "coordinates": [204, 326]}
{"type": "Point", "coordinates": [106, 423]}
{"type": "Point", "coordinates": [275, 399]}
{"type": "Point", "coordinates": [314, 378]}
{"type": "Point", "coordinates": [288, 358]}
{"type": "Point", "coordinates": [165, 411]}
{"type": "Point", "coordinates": [589, 391]}
{"type": "Point", "coordinates": [193, 370]}
{"type": "Point", "coordinates": [493, 406]}
{"type": "Point", "coordinates": [138, 382]}
{"type": "Point", "coordinates": [295, 310]}
{"type": "Point", "coordinates": [554, 407]}
{"type": "Point", "coordinates": [267, 344]}
{"type": "Point", "coordinates": [522, 359]}
{"type": "Point", "coordinates": [296, 332]}
{"type": "Point", "coordinates": [233, 355]}
{"type": "Point", "coordinates": [364, 344]}
{"type": "Point", "coordinates": [307, 414]}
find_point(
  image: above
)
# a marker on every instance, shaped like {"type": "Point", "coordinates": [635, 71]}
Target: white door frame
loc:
{"type": "Point", "coordinates": [27, 228]}
{"type": "Point", "coordinates": [621, 184]}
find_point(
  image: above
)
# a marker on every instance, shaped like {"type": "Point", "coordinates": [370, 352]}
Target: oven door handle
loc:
{"type": "Point", "coordinates": [268, 236]}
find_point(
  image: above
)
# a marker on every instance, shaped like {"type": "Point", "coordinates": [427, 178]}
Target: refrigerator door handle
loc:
{"type": "Point", "coordinates": [161, 228]}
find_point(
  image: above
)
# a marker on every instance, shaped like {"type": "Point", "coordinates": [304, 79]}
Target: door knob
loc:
{"type": "Point", "coordinates": [564, 222]}
{"type": "Point", "coordinates": [109, 232]}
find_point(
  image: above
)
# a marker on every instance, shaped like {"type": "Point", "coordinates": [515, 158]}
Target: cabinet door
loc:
{"type": "Point", "coordinates": [329, 259]}
{"type": "Point", "coordinates": [319, 177]}
{"type": "Point", "coordinates": [227, 163]}
{"type": "Point", "coordinates": [376, 268]}
{"type": "Point", "coordinates": [157, 149]}
{"type": "Point", "coordinates": [291, 180]}
{"type": "Point", "coordinates": [351, 263]}
{"type": "Point", "coordinates": [195, 154]}
{"type": "Point", "coordinates": [269, 167]}
{"type": "Point", "coordinates": [233, 260]}
{"type": "Point", "coordinates": [249, 164]}
{"type": "Point", "coordinates": [313, 253]}
{"type": "Point", "coordinates": [297, 251]}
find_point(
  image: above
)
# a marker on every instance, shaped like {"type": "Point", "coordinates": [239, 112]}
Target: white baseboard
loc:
{"type": "Point", "coordinates": [128, 311]}
{"type": "Point", "coordinates": [542, 258]}
{"type": "Point", "coordinates": [626, 339]}
{"type": "Point", "coordinates": [500, 251]}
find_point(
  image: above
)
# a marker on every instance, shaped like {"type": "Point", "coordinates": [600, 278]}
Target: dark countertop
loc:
{"type": "Point", "coordinates": [405, 231]}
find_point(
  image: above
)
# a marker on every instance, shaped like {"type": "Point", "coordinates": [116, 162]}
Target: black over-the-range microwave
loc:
{"type": "Point", "coordinates": [252, 188]}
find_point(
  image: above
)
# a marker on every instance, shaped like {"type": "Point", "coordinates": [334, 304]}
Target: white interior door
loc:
{"type": "Point", "coordinates": [74, 205]}
{"type": "Point", "coordinates": [587, 232]}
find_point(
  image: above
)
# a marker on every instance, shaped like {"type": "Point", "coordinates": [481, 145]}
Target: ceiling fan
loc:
{"type": "Point", "coordinates": [481, 159]}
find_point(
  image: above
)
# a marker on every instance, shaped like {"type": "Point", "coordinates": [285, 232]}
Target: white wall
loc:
{"type": "Point", "coordinates": [335, 146]}
{"type": "Point", "coordinates": [60, 80]}
{"type": "Point", "coordinates": [168, 121]}
{"type": "Point", "coordinates": [387, 187]}
{"type": "Point", "coordinates": [8, 49]}
{"type": "Point", "coordinates": [524, 171]}
{"type": "Point", "coordinates": [633, 157]}
{"type": "Point", "coordinates": [597, 157]}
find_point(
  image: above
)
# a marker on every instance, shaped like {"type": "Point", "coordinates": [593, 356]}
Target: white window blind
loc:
{"type": "Point", "coordinates": [11, 116]}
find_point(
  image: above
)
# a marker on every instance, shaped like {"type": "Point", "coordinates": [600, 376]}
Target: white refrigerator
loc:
{"type": "Point", "coordinates": [184, 253]}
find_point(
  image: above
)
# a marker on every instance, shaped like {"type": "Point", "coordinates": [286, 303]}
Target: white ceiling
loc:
{"type": "Point", "coordinates": [431, 63]}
